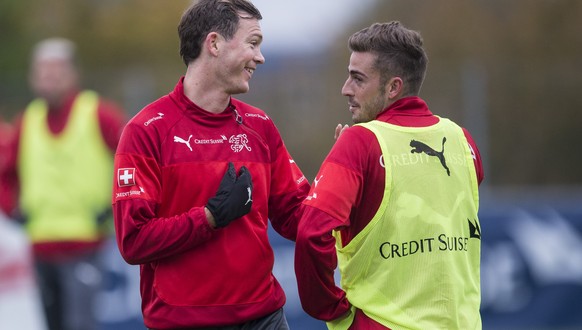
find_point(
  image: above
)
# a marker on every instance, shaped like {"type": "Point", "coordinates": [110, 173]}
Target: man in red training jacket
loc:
{"type": "Point", "coordinates": [198, 176]}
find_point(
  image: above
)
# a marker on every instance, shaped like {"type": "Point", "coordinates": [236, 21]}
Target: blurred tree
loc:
{"type": "Point", "coordinates": [505, 69]}
{"type": "Point", "coordinates": [120, 43]}
{"type": "Point", "coordinates": [14, 37]}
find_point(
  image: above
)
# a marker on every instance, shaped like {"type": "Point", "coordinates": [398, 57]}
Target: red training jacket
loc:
{"type": "Point", "coordinates": [171, 158]}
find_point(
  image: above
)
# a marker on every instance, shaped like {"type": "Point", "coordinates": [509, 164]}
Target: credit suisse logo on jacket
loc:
{"type": "Point", "coordinates": [238, 142]}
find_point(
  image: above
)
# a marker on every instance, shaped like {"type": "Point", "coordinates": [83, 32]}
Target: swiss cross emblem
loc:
{"type": "Point", "coordinates": [125, 177]}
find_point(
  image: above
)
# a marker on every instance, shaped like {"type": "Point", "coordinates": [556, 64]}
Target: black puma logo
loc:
{"type": "Point", "coordinates": [419, 147]}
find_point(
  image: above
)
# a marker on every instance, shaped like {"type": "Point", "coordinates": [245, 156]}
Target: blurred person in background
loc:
{"type": "Point", "coordinates": [394, 204]}
{"type": "Point", "coordinates": [199, 176]}
{"type": "Point", "coordinates": [59, 171]}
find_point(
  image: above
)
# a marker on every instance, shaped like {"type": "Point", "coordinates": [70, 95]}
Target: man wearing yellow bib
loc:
{"type": "Point", "coordinates": [59, 173]}
{"type": "Point", "coordinates": [394, 204]}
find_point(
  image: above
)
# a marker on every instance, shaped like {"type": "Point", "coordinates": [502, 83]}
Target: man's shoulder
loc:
{"type": "Point", "coordinates": [253, 116]}
{"type": "Point", "coordinates": [159, 112]}
{"type": "Point", "coordinates": [144, 131]}
{"type": "Point", "coordinates": [355, 142]}
{"type": "Point", "coordinates": [244, 106]}
{"type": "Point", "coordinates": [357, 134]}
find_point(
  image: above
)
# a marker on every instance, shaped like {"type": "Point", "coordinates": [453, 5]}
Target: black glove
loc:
{"type": "Point", "coordinates": [233, 198]}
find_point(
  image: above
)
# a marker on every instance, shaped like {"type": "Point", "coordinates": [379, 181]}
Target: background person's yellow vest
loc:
{"type": "Point", "coordinates": [416, 265]}
{"type": "Point", "coordinates": [65, 179]}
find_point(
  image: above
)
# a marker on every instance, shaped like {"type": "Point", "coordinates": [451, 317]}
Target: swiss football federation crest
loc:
{"type": "Point", "coordinates": [125, 177]}
{"type": "Point", "coordinates": [238, 142]}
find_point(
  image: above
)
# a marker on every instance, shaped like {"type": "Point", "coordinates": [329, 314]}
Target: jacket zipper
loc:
{"type": "Point", "coordinates": [239, 119]}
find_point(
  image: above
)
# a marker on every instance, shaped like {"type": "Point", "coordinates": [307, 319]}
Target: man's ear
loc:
{"type": "Point", "coordinates": [212, 43]}
{"type": "Point", "coordinates": [394, 88]}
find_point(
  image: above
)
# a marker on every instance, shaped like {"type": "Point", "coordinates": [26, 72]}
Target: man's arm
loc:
{"type": "Point", "coordinates": [142, 237]}
{"type": "Point", "coordinates": [9, 182]}
{"type": "Point", "coordinates": [111, 122]}
{"type": "Point", "coordinates": [335, 192]}
{"type": "Point", "coordinates": [289, 187]}
{"type": "Point", "coordinates": [476, 156]}
{"type": "Point", "coordinates": [315, 262]}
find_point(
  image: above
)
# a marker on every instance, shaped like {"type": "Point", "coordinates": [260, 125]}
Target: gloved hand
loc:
{"type": "Point", "coordinates": [233, 198]}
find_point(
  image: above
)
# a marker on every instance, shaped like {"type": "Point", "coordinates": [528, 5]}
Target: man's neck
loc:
{"type": "Point", "coordinates": [203, 93]}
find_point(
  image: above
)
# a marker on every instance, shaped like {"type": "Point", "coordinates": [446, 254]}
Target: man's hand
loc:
{"type": "Point", "coordinates": [339, 129]}
{"type": "Point", "coordinates": [233, 198]}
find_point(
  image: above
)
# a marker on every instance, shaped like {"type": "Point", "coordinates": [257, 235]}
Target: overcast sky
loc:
{"type": "Point", "coordinates": [306, 25]}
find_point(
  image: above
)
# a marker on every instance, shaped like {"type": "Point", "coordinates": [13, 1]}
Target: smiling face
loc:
{"type": "Point", "coordinates": [366, 93]}
{"type": "Point", "coordinates": [240, 56]}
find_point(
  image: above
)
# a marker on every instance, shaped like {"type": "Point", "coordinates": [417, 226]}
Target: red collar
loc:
{"type": "Point", "coordinates": [409, 111]}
